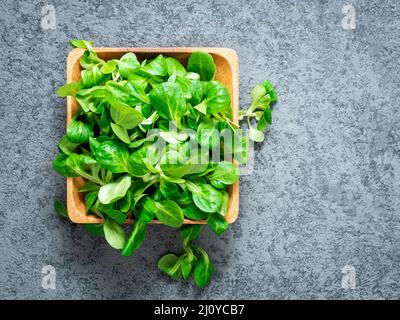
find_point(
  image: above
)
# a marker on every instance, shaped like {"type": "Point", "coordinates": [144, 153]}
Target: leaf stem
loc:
{"type": "Point", "coordinates": [89, 177]}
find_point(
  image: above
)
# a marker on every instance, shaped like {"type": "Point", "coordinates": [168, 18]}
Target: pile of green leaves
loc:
{"type": "Point", "coordinates": [108, 144]}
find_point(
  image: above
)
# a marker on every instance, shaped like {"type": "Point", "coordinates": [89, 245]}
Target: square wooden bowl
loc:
{"type": "Point", "coordinates": [227, 72]}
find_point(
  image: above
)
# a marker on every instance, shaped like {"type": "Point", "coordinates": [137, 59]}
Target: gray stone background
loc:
{"type": "Point", "coordinates": [325, 189]}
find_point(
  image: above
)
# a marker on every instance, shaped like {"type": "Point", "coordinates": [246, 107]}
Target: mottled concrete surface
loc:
{"type": "Point", "coordinates": [326, 186]}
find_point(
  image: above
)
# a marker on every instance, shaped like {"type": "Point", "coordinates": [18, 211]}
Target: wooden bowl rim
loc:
{"type": "Point", "coordinates": [78, 216]}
